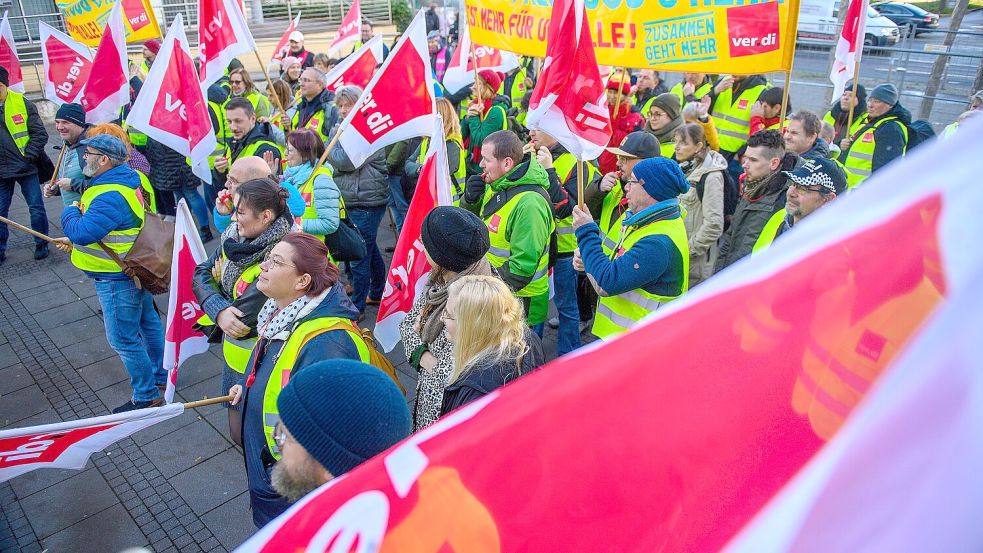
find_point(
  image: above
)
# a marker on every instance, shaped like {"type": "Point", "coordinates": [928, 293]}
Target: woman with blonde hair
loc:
{"type": "Point", "coordinates": [493, 345]}
{"type": "Point", "coordinates": [455, 150]}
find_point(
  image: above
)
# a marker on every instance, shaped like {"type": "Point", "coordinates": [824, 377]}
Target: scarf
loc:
{"type": "Point", "coordinates": [661, 211]}
{"type": "Point", "coordinates": [275, 324]}
{"type": "Point", "coordinates": [753, 188]}
{"type": "Point", "coordinates": [242, 253]}
{"type": "Point", "coordinates": [435, 298]}
{"type": "Point", "coordinates": [665, 135]}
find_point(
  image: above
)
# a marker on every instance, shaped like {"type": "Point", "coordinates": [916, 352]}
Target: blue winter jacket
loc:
{"type": "Point", "coordinates": [327, 199]}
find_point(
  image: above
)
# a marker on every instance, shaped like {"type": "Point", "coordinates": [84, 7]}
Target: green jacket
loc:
{"type": "Point", "coordinates": [474, 130]}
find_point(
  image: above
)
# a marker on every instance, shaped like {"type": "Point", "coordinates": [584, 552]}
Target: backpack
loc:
{"type": "Point", "coordinates": [376, 358]}
{"type": "Point", "coordinates": [731, 194]}
{"type": "Point", "coordinates": [919, 132]}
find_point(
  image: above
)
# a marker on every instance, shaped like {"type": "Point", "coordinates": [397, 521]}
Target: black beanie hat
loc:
{"type": "Point", "coordinates": [73, 113]}
{"type": "Point", "coordinates": [4, 76]}
{"type": "Point", "coordinates": [454, 237]}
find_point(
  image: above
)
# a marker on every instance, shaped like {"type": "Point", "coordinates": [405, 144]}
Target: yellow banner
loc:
{"type": "Point", "coordinates": [85, 19]}
{"type": "Point", "coordinates": [734, 37]}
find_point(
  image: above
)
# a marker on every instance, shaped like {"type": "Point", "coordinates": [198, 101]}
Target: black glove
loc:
{"type": "Point", "coordinates": [474, 189]}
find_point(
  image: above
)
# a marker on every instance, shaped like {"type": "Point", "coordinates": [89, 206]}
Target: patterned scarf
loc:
{"type": "Point", "coordinates": [275, 324]}
{"type": "Point", "coordinates": [242, 253]}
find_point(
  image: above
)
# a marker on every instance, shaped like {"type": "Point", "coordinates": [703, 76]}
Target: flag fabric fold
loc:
{"type": "Point", "coordinates": [181, 340]}
{"type": "Point", "coordinates": [8, 56]}
{"type": "Point", "coordinates": [358, 68]}
{"type": "Point", "coordinates": [171, 112]}
{"type": "Point", "coordinates": [67, 64]}
{"type": "Point", "coordinates": [283, 47]}
{"type": "Point", "coordinates": [409, 271]}
{"type": "Point", "coordinates": [460, 71]}
{"type": "Point", "coordinates": [350, 29]}
{"type": "Point", "coordinates": [222, 35]}
{"type": "Point", "coordinates": [108, 89]}
{"type": "Point", "coordinates": [849, 46]}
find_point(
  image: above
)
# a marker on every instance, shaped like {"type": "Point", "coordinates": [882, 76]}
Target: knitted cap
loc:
{"type": "Point", "coordinates": [661, 178]}
{"type": "Point", "coordinates": [343, 413]}
{"type": "Point", "coordinates": [615, 83]}
{"type": "Point", "coordinates": [73, 113]}
{"type": "Point", "coordinates": [668, 103]}
{"type": "Point", "coordinates": [887, 93]}
{"type": "Point", "coordinates": [153, 45]}
{"type": "Point", "coordinates": [454, 237]}
{"type": "Point", "coordinates": [493, 78]}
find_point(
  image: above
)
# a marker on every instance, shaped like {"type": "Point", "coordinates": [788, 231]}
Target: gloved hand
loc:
{"type": "Point", "coordinates": [474, 189]}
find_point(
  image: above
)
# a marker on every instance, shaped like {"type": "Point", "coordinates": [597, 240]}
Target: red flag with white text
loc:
{"type": "Point", "coordinates": [409, 270]}
{"type": "Point", "coordinates": [283, 46]}
{"type": "Point", "coordinates": [108, 89]}
{"type": "Point", "coordinates": [379, 120]}
{"type": "Point", "coordinates": [68, 445]}
{"type": "Point", "coordinates": [569, 100]}
{"type": "Point", "coordinates": [350, 29]}
{"type": "Point", "coordinates": [222, 35]}
{"type": "Point", "coordinates": [822, 395]}
{"type": "Point", "coordinates": [460, 71]}
{"type": "Point", "coordinates": [849, 46]}
{"type": "Point", "coordinates": [181, 340]}
{"type": "Point", "coordinates": [67, 64]}
{"type": "Point", "coordinates": [358, 68]}
{"type": "Point", "coordinates": [8, 56]}
{"type": "Point", "coordinates": [171, 112]}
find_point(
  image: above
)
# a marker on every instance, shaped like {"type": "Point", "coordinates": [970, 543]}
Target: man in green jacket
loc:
{"type": "Point", "coordinates": [513, 199]}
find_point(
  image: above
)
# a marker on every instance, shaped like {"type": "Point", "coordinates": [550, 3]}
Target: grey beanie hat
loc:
{"type": "Point", "coordinates": [887, 93]}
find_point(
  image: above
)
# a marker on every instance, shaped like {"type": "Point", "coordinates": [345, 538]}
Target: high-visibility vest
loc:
{"type": "Point", "coordinates": [616, 314]}
{"type": "Point", "coordinates": [91, 257]}
{"type": "Point", "coordinates": [769, 232]}
{"type": "Point", "coordinates": [518, 90]}
{"type": "Point", "coordinates": [566, 240]}
{"type": "Point", "coordinates": [732, 117]}
{"type": "Point", "coordinates": [500, 249]}
{"type": "Point", "coordinates": [137, 138]}
{"type": "Point", "coordinates": [307, 192]}
{"type": "Point", "coordinates": [15, 117]}
{"type": "Point", "coordinates": [235, 351]}
{"type": "Point", "coordinates": [314, 123]}
{"type": "Point", "coordinates": [457, 182]}
{"type": "Point", "coordinates": [287, 358]}
{"type": "Point", "coordinates": [257, 99]}
{"type": "Point", "coordinates": [700, 92]}
{"type": "Point", "coordinates": [149, 196]}
{"type": "Point", "coordinates": [250, 149]}
{"type": "Point", "coordinates": [610, 225]}
{"type": "Point", "coordinates": [858, 160]}
{"type": "Point", "coordinates": [857, 122]}
{"type": "Point", "coordinates": [667, 149]}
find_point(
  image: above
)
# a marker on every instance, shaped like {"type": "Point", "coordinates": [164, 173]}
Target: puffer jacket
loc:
{"type": "Point", "coordinates": [326, 199]}
{"type": "Point", "coordinates": [704, 219]}
{"type": "Point", "coordinates": [168, 169]}
{"type": "Point", "coordinates": [365, 186]}
{"type": "Point", "coordinates": [820, 149]}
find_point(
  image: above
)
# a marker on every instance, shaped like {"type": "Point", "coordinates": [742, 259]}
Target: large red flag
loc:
{"type": "Point", "coordinates": [460, 72]}
{"type": "Point", "coordinates": [67, 64]}
{"type": "Point", "coordinates": [378, 120]}
{"type": "Point", "coordinates": [350, 28]}
{"type": "Point", "coordinates": [181, 340]}
{"type": "Point", "coordinates": [569, 102]}
{"type": "Point", "coordinates": [409, 271]}
{"type": "Point", "coordinates": [283, 47]}
{"type": "Point", "coordinates": [171, 112]}
{"type": "Point", "coordinates": [8, 56]}
{"type": "Point", "coordinates": [358, 68]}
{"type": "Point", "coordinates": [824, 395]}
{"type": "Point", "coordinates": [108, 89]}
{"type": "Point", "coordinates": [849, 47]}
{"type": "Point", "coordinates": [222, 35]}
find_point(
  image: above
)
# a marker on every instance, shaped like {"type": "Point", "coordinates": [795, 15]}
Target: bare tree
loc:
{"type": "Point", "coordinates": [978, 83]}
{"type": "Point", "coordinates": [938, 68]}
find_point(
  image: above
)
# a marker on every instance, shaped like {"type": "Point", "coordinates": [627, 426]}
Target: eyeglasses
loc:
{"type": "Point", "coordinates": [274, 262]}
{"type": "Point", "coordinates": [280, 435]}
{"type": "Point", "coordinates": [88, 153]}
{"type": "Point", "coordinates": [235, 82]}
{"type": "Point", "coordinates": [632, 182]}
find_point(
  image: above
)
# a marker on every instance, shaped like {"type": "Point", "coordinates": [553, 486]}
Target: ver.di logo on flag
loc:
{"type": "Point", "coordinates": [753, 29]}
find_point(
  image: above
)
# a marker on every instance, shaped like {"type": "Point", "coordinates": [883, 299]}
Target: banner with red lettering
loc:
{"type": "Point", "coordinates": [410, 269]}
{"type": "Point", "coordinates": [181, 340]}
{"type": "Point", "coordinates": [108, 90]}
{"type": "Point", "coordinates": [85, 19]}
{"type": "Point", "coordinates": [9, 58]}
{"type": "Point", "coordinates": [222, 36]}
{"type": "Point", "coordinates": [358, 68]}
{"type": "Point", "coordinates": [350, 29]}
{"type": "Point", "coordinates": [283, 46]}
{"type": "Point", "coordinates": [460, 72]}
{"type": "Point", "coordinates": [68, 445]}
{"type": "Point", "coordinates": [170, 111]}
{"type": "Point", "coordinates": [67, 64]}
{"type": "Point", "coordinates": [405, 105]}
{"type": "Point", "coordinates": [823, 395]}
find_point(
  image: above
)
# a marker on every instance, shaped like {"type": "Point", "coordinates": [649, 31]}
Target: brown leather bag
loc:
{"type": "Point", "coordinates": [148, 262]}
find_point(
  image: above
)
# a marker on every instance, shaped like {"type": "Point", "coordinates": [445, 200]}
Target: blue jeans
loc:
{"type": "Point", "coordinates": [397, 202]}
{"type": "Point", "coordinates": [565, 298]}
{"type": "Point", "coordinates": [195, 203]}
{"type": "Point", "coordinates": [370, 272]}
{"type": "Point", "coordinates": [134, 331]}
{"type": "Point", "coordinates": [30, 187]}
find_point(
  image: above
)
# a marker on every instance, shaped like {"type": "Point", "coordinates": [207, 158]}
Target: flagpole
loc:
{"type": "Point", "coordinates": [856, 79]}
{"type": "Point", "coordinates": [580, 184]}
{"type": "Point", "coordinates": [30, 231]}
{"type": "Point", "coordinates": [208, 401]}
{"type": "Point", "coordinates": [788, 84]}
{"type": "Point", "coordinates": [54, 176]}
{"type": "Point", "coordinates": [269, 86]}
{"type": "Point", "coordinates": [617, 103]}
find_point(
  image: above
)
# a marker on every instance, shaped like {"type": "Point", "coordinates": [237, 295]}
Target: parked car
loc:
{"type": "Point", "coordinates": [907, 15]}
{"type": "Point", "coordinates": [879, 30]}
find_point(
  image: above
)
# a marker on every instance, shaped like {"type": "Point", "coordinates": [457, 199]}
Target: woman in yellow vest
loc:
{"type": "Point", "coordinates": [308, 318]}
{"type": "Point", "coordinates": [663, 118]}
{"type": "Point", "coordinates": [243, 86]}
{"type": "Point", "coordinates": [225, 283]}
{"type": "Point", "coordinates": [323, 206]}
{"type": "Point", "coordinates": [455, 150]}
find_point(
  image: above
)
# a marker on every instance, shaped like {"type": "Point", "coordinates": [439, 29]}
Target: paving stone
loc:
{"type": "Point", "coordinates": [23, 403]}
{"type": "Point", "coordinates": [57, 507]}
{"type": "Point", "coordinates": [102, 374]}
{"type": "Point", "coordinates": [115, 395]}
{"type": "Point", "coordinates": [205, 389]}
{"type": "Point", "coordinates": [213, 482]}
{"type": "Point", "coordinates": [34, 280]}
{"type": "Point", "coordinates": [42, 479]}
{"type": "Point", "coordinates": [162, 429]}
{"type": "Point", "coordinates": [199, 368]}
{"type": "Point", "coordinates": [7, 356]}
{"type": "Point", "coordinates": [57, 318]}
{"type": "Point", "coordinates": [232, 522]}
{"type": "Point", "coordinates": [14, 378]}
{"type": "Point", "coordinates": [83, 287]}
{"type": "Point", "coordinates": [109, 530]}
{"type": "Point", "coordinates": [88, 350]}
{"type": "Point", "coordinates": [55, 298]}
{"type": "Point", "coordinates": [42, 289]}
{"type": "Point", "coordinates": [79, 332]}
{"type": "Point", "coordinates": [173, 454]}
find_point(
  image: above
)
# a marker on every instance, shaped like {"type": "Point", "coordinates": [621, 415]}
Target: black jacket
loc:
{"type": "Point", "coordinates": [249, 302]}
{"type": "Point", "coordinates": [889, 138]}
{"type": "Point", "coordinates": [14, 164]}
{"type": "Point", "coordinates": [169, 170]}
{"type": "Point", "coordinates": [261, 131]}
{"type": "Point", "coordinates": [307, 108]}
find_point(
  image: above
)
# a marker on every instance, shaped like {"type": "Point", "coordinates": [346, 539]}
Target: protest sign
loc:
{"type": "Point", "coordinates": [85, 19]}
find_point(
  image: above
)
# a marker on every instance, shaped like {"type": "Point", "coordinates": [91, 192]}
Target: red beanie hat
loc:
{"type": "Point", "coordinates": [153, 45]}
{"type": "Point", "coordinates": [614, 83]}
{"type": "Point", "coordinates": [493, 78]}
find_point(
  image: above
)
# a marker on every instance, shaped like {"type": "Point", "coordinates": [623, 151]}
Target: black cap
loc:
{"type": "Point", "coordinates": [454, 237]}
{"type": "Point", "coordinates": [820, 175]}
{"type": "Point", "coordinates": [639, 144]}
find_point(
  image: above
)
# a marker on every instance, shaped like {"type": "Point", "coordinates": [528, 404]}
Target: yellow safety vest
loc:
{"type": "Point", "coordinates": [667, 149]}
{"type": "Point", "coordinates": [314, 123]}
{"type": "Point", "coordinates": [91, 257]}
{"type": "Point", "coordinates": [566, 240]}
{"type": "Point", "coordinates": [769, 232]}
{"type": "Point", "coordinates": [500, 250]}
{"type": "Point", "coordinates": [307, 192]}
{"type": "Point", "coordinates": [733, 118]}
{"type": "Point", "coordinates": [287, 358]}
{"type": "Point", "coordinates": [611, 229]}
{"type": "Point", "coordinates": [616, 314]}
{"type": "Point", "coordinates": [457, 182]}
{"type": "Point", "coordinates": [859, 160]}
{"type": "Point", "coordinates": [518, 90]}
{"type": "Point", "coordinates": [250, 149]}
{"type": "Point", "coordinates": [15, 117]}
{"type": "Point", "coordinates": [236, 352]}
{"type": "Point", "coordinates": [149, 196]}
{"type": "Point", "coordinates": [699, 93]}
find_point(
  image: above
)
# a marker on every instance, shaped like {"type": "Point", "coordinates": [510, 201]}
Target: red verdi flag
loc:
{"type": "Point", "coordinates": [8, 56]}
{"type": "Point", "coordinates": [828, 398]}
{"type": "Point", "coordinates": [358, 68]}
{"type": "Point", "coordinates": [222, 35]}
{"type": "Point", "coordinates": [350, 28]}
{"type": "Point", "coordinates": [378, 120]}
{"type": "Point", "coordinates": [108, 89]}
{"type": "Point", "coordinates": [283, 47]}
{"type": "Point", "coordinates": [67, 64]}
{"type": "Point", "coordinates": [849, 47]}
{"type": "Point", "coordinates": [569, 102]}
{"type": "Point", "coordinates": [171, 112]}
{"type": "Point", "coordinates": [460, 72]}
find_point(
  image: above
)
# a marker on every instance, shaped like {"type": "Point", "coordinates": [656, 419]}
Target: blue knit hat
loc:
{"type": "Point", "coordinates": [343, 413]}
{"type": "Point", "coordinates": [73, 113]}
{"type": "Point", "coordinates": [661, 178]}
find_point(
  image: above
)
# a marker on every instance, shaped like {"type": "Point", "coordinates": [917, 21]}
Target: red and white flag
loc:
{"type": "Point", "coordinates": [171, 112]}
{"type": "Point", "coordinates": [378, 120]}
{"type": "Point", "coordinates": [67, 64]}
{"type": "Point", "coordinates": [8, 56]}
{"type": "Point", "coordinates": [222, 36]}
{"type": "Point", "coordinates": [410, 270]}
{"type": "Point", "coordinates": [828, 398]}
{"type": "Point", "coordinates": [68, 445]}
{"type": "Point", "coordinates": [849, 47]}
{"type": "Point", "coordinates": [108, 89]}
{"type": "Point", "coordinates": [181, 340]}
{"type": "Point", "coordinates": [283, 46]}
{"type": "Point", "coordinates": [460, 72]}
{"type": "Point", "coordinates": [569, 102]}
{"type": "Point", "coordinates": [350, 29]}
{"type": "Point", "coordinates": [358, 68]}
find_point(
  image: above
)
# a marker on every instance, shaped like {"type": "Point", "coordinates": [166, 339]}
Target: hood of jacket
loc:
{"type": "Point", "coordinates": [836, 111]}
{"type": "Point", "coordinates": [819, 149]}
{"type": "Point", "coordinates": [899, 111]}
{"type": "Point", "coordinates": [217, 94]}
{"type": "Point", "coordinates": [325, 97]}
{"type": "Point", "coordinates": [527, 172]}
{"type": "Point", "coordinates": [121, 174]}
{"type": "Point", "coordinates": [713, 161]}
{"type": "Point", "coordinates": [334, 304]}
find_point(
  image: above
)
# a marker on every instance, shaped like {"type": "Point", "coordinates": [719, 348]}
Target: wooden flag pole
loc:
{"type": "Point", "coordinates": [208, 401]}
{"type": "Point", "coordinates": [50, 186]}
{"type": "Point", "coordinates": [788, 84]}
{"type": "Point", "coordinates": [617, 103]}
{"type": "Point", "coordinates": [580, 184]}
{"type": "Point", "coordinates": [269, 85]}
{"type": "Point", "coordinates": [30, 231]}
{"type": "Point", "coordinates": [856, 79]}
